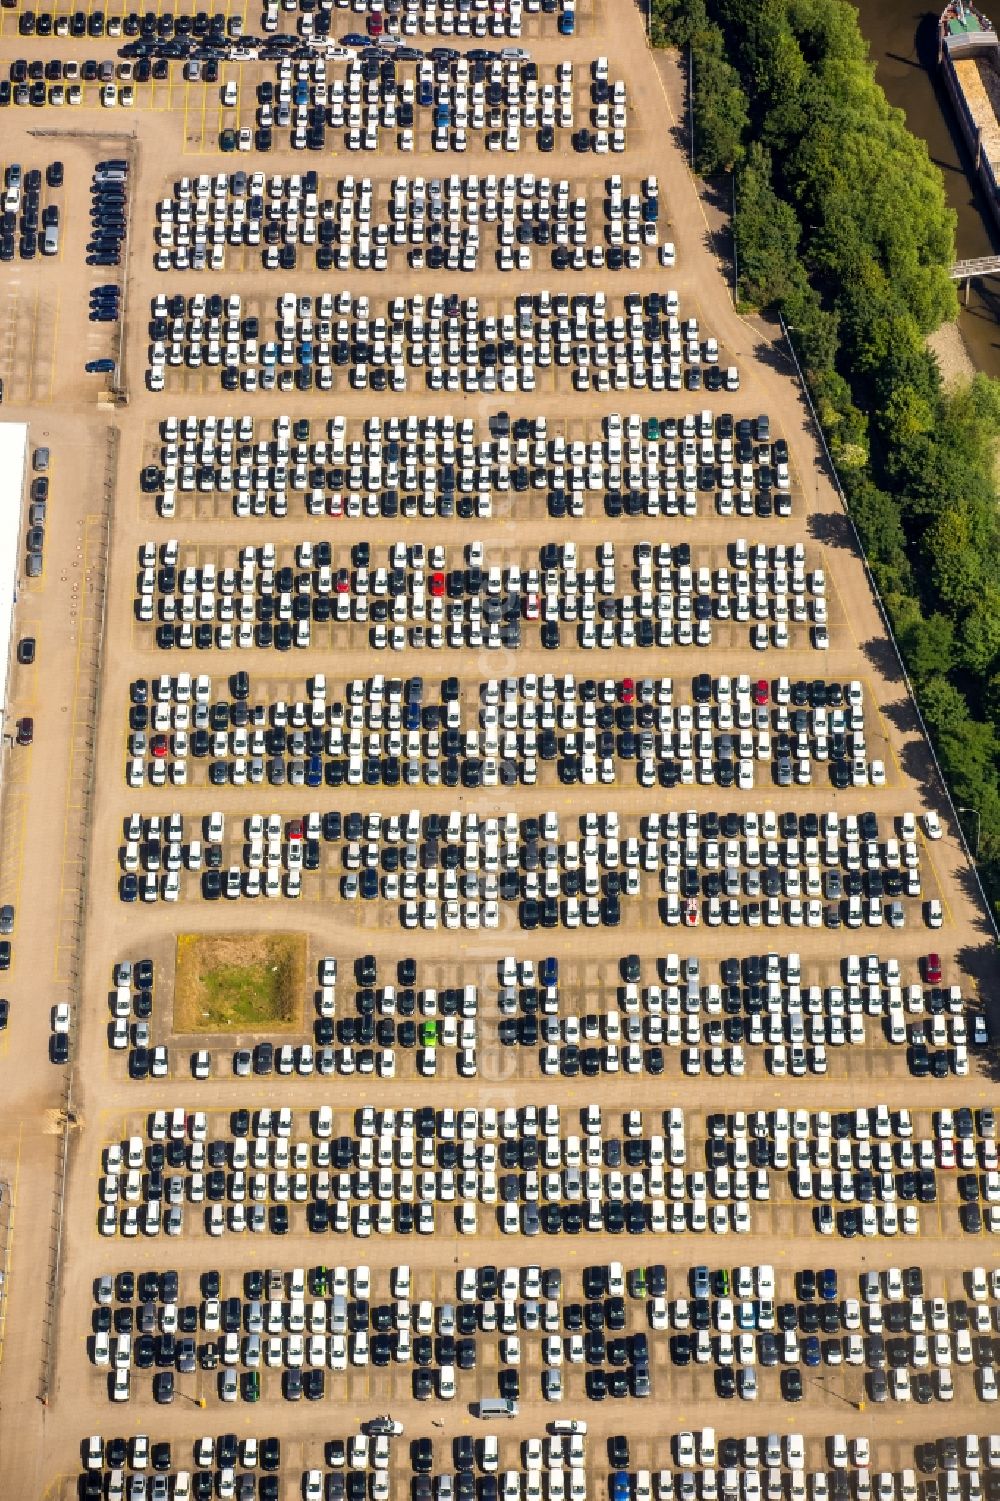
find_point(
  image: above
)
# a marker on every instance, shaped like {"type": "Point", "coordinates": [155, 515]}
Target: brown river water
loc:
{"type": "Point", "coordinates": [902, 36]}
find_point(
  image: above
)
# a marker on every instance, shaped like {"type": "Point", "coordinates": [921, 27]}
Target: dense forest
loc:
{"type": "Point", "coordinates": [842, 226]}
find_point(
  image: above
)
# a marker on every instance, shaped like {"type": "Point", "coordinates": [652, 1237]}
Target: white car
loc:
{"type": "Point", "coordinates": [686, 1455]}
{"type": "Point", "coordinates": [61, 1017]}
{"type": "Point", "coordinates": [932, 825]}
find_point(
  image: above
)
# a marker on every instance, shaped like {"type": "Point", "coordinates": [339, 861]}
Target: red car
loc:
{"type": "Point", "coordinates": [295, 830]}
{"type": "Point", "coordinates": [628, 690]}
{"type": "Point", "coordinates": [158, 746]}
{"type": "Point", "coordinates": [375, 24]}
{"type": "Point", "coordinates": [932, 969]}
{"type": "Point", "coordinates": [760, 691]}
{"type": "Point", "coordinates": [437, 584]}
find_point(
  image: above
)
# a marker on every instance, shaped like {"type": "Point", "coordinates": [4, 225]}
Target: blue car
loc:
{"type": "Point", "coordinates": [567, 23]}
{"type": "Point", "coordinates": [549, 971]}
{"type": "Point", "coordinates": [828, 1285]}
{"type": "Point", "coordinates": [810, 1350]}
{"type": "Point", "coordinates": [619, 1485]}
{"type": "Point", "coordinates": [99, 367]}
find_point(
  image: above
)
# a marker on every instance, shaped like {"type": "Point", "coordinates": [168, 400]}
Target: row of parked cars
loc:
{"type": "Point", "coordinates": [435, 223]}
{"type": "Point", "coordinates": [38, 506]}
{"type": "Point", "coordinates": [26, 227]}
{"type": "Point", "coordinates": [375, 733]}
{"type": "Point", "coordinates": [98, 23]}
{"type": "Point", "coordinates": [415, 599]}
{"type": "Point", "coordinates": [440, 465]}
{"type": "Point", "coordinates": [365, 1181]}
{"type": "Point", "coordinates": [320, 1326]}
{"type": "Point", "coordinates": [793, 1025]}
{"type": "Point", "coordinates": [108, 216]}
{"type": "Point", "coordinates": [449, 99]}
{"type": "Point", "coordinates": [419, 861]}
{"type": "Point", "coordinates": [472, 18]}
{"type": "Point", "coordinates": [643, 346]}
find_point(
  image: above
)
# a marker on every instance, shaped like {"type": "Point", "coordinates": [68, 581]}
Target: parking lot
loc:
{"type": "Point", "coordinates": [634, 1067]}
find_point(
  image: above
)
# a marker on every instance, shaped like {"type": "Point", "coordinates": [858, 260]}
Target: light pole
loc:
{"type": "Point", "coordinates": [820, 1381]}
{"type": "Point", "coordinates": [975, 811]}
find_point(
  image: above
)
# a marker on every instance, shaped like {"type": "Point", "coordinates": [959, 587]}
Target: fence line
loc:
{"type": "Point", "coordinates": [84, 731]}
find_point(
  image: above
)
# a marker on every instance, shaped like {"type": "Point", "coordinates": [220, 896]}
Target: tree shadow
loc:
{"type": "Point", "coordinates": [717, 193]}
{"type": "Point", "coordinates": [830, 528]}
{"type": "Point", "coordinates": [879, 652]}
{"type": "Point", "coordinates": [774, 356]}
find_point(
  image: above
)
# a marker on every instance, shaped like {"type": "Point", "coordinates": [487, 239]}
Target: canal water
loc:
{"type": "Point", "coordinates": [902, 36]}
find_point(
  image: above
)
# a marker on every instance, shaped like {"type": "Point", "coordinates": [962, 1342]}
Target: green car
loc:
{"type": "Point", "coordinates": [652, 427]}
{"type": "Point", "coordinates": [428, 1034]}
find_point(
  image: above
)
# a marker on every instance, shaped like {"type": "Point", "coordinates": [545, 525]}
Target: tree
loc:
{"type": "Point", "coordinates": [927, 646]}
{"type": "Point", "coordinates": [980, 633]}
{"type": "Point", "coordinates": [720, 111]}
{"type": "Point", "coordinates": [767, 233]}
{"type": "Point", "coordinates": [943, 706]}
{"type": "Point", "coordinates": [876, 516]}
{"type": "Point", "coordinates": [952, 560]}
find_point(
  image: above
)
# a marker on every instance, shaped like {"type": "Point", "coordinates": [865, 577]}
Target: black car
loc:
{"type": "Point", "coordinates": [791, 1385]}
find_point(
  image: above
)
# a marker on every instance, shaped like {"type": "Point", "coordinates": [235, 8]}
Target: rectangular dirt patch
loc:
{"type": "Point", "coordinates": [239, 982]}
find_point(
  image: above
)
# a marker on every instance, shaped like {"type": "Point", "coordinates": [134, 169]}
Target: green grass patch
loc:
{"type": "Point", "coordinates": [239, 982]}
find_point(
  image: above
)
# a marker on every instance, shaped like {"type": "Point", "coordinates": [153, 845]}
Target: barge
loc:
{"type": "Point", "coordinates": [969, 58]}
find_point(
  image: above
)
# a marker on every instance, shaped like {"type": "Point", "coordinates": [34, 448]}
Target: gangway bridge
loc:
{"type": "Point", "coordinates": [967, 271]}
